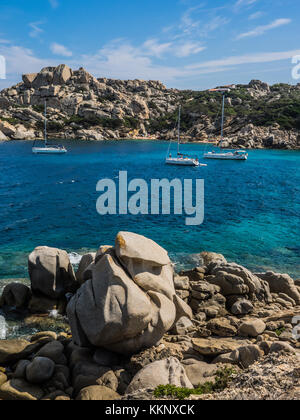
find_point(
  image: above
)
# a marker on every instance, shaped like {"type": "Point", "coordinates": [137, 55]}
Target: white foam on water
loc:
{"type": "Point", "coordinates": [75, 258]}
{"type": "Point", "coordinates": [3, 328]}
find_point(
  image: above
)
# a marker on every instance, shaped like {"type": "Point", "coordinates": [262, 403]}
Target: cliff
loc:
{"type": "Point", "coordinates": [83, 107]}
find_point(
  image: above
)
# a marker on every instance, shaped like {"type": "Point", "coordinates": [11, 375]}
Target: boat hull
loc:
{"type": "Point", "coordinates": [48, 151]}
{"type": "Point", "coordinates": [225, 156]}
{"type": "Point", "coordinates": [182, 162]}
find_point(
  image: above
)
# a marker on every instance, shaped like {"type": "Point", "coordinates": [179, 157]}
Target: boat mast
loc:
{"type": "Point", "coordinates": [45, 131]}
{"type": "Point", "coordinates": [222, 126]}
{"type": "Point", "coordinates": [179, 117]}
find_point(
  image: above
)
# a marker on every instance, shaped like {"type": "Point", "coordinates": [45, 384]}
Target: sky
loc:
{"type": "Point", "coordinates": [187, 44]}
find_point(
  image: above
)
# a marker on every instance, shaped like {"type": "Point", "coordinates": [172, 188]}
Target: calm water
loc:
{"type": "Point", "coordinates": [252, 209]}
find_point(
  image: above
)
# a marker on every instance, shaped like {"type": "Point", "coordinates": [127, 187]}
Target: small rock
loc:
{"type": "Point", "coordinates": [252, 328]}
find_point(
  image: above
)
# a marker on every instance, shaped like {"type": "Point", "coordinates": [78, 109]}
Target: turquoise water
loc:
{"type": "Point", "coordinates": [252, 208]}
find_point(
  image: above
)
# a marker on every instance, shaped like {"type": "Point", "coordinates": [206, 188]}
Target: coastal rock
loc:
{"type": "Point", "coordinates": [15, 295]}
{"type": "Point", "coordinates": [13, 350]}
{"type": "Point", "coordinates": [85, 262]}
{"type": "Point", "coordinates": [222, 327]}
{"type": "Point", "coordinates": [241, 307]}
{"type": "Point", "coordinates": [53, 351]}
{"type": "Point", "coordinates": [148, 264]}
{"type": "Point", "coordinates": [182, 326]}
{"type": "Point", "coordinates": [40, 370]}
{"type": "Point", "coordinates": [252, 328]}
{"type": "Point", "coordinates": [164, 372]}
{"type": "Point", "coordinates": [20, 390]}
{"type": "Point", "coordinates": [237, 280]}
{"type": "Point", "coordinates": [200, 372]}
{"type": "Point", "coordinates": [51, 272]}
{"type": "Point", "coordinates": [209, 257]}
{"type": "Point", "coordinates": [281, 283]}
{"type": "Point", "coordinates": [3, 137]}
{"type": "Point", "coordinates": [125, 311]}
{"type": "Point", "coordinates": [280, 346]}
{"type": "Point", "coordinates": [97, 393]}
{"type": "Point", "coordinates": [244, 356]}
{"type": "Point", "coordinates": [216, 346]}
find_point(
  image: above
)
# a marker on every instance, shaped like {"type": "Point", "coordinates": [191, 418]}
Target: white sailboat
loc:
{"type": "Point", "coordinates": [47, 149]}
{"type": "Point", "coordinates": [181, 159]}
{"type": "Point", "coordinates": [230, 155]}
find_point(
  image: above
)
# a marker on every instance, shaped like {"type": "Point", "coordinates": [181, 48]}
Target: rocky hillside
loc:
{"type": "Point", "coordinates": [83, 107]}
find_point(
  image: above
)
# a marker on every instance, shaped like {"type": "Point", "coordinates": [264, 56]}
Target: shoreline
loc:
{"type": "Point", "coordinates": [148, 140]}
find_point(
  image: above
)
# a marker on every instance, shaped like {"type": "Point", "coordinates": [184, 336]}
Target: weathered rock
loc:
{"type": "Point", "coordinates": [281, 283]}
{"type": "Point", "coordinates": [222, 327]}
{"type": "Point", "coordinates": [182, 326]}
{"type": "Point", "coordinates": [242, 307]}
{"type": "Point", "coordinates": [237, 280]}
{"type": "Point", "coordinates": [106, 358]}
{"type": "Point", "coordinates": [20, 390]}
{"type": "Point", "coordinates": [209, 257]}
{"type": "Point", "coordinates": [124, 314]}
{"type": "Point", "coordinates": [53, 351]}
{"type": "Point", "coordinates": [164, 372]}
{"type": "Point", "coordinates": [148, 263]}
{"type": "Point", "coordinates": [97, 393]}
{"type": "Point", "coordinates": [280, 346]}
{"type": "Point", "coordinates": [200, 372]}
{"type": "Point", "coordinates": [181, 283]}
{"type": "Point", "coordinates": [13, 350]}
{"type": "Point", "coordinates": [62, 74]}
{"type": "Point", "coordinates": [252, 328]}
{"type": "Point", "coordinates": [40, 370]}
{"type": "Point", "coordinates": [216, 346]}
{"type": "Point", "coordinates": [51, 272]}
{"type": "Point", "coordinates": [85, 262]}
{"type": "Point", "coordinates": [20, 371]}
{"type": "Point", "coordinates": [123, 324]}
{"type": "Point", "coordinates": [28, 79]}
{"type": "Point", "coordinates": [16, 295]}
{"type": "Point", "coordinates": [3, 378]}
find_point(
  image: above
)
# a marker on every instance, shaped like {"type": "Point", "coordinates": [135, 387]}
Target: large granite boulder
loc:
{"type": "Point", "coordinates": [15, 295]}
{"type": "Point", "coordinates": [234, 279]}
{"type": "Point", "coordinates": [62, 74]}
{"type": "Point", "coordinates": [51, 272]}
{"type": "Point", "coordinates": [130, 302]}
{"type": "Point", "coordinates": [281, 283]}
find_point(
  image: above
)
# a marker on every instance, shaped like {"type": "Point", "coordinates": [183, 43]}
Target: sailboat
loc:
{"type": "Point", "coordinates": [46, 149]}
{"type": "Point", "coordinates": [181, 159]}
{"type": "Point", "coordinates": [230, 155]}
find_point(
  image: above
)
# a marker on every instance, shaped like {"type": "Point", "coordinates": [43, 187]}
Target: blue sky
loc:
{"type": "Point", "coordinates": [185, 43]}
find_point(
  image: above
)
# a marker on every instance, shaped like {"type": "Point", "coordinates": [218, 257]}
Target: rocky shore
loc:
{"type": "Point", "coordinates": [81, 106]}
{"type": "Point", "coordinates": [135, 329]}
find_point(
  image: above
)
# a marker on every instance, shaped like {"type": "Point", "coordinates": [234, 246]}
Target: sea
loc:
{"type": "Point", "coordinates": [252, 209]}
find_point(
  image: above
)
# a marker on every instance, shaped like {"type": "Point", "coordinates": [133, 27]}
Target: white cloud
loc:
{"type": "Point", "coordinates": [260, 30]}
{"type": "Point", "coordinates": [266, 57]}
{"type": "Point", "coordinates": [152, 47]}
{"type": "Point", "coordinates": [243, 3]}
{"type": "Point", "coordinates": [256, 15]}
{"type": "Point", "coordinates": [35, 29]}
{"type": "Point", "coordinates": [188, 48]}
{"type": "Point", "coordinates": [59, 49]}
{"type": "Point", "coordinates": [54, 4]}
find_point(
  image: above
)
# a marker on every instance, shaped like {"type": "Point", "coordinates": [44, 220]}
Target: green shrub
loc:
{"type": "Point", "coordinates": [223, 379]}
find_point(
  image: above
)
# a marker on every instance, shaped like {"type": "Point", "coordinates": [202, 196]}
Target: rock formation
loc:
{"type": "Point", "coordinates": [83, 107]}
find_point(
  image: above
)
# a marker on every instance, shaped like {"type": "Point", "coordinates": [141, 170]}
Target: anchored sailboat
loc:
{"type": "Point", "coordinates": [46, 149]}
{"type": "Point", "coordinates": [181, 159]}
{"type": "Point", "coordinates": [230, 155]}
